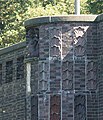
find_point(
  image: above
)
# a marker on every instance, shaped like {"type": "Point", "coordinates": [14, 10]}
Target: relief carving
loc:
{"type": "Point", "coordinates": [74, 41]}
{"type": "Point", "coordinates": [55, 42]}
{"type": "Point", "coordinates": [43, 75]}
{"type": "Point", "coordinates": [70, 66]}
{"type": "Point", "coordinates": [79, 107]}
{"type": "Point", "coordinates": [79, 51]}
{"type": "Point", "coordinates": [67, 84]}
{"type": "Point", "coordinates": [65, 65]}
{"type": "Point", "coordinates": [32, 42]}
{"type": "Point", "coordinates": [91, 84]}
{"type": "Point", "coordinates": [67, 75]}
{"type": "Point", "coordinates": [79, 40]}
{"type": "Point", "coordinates": [67, 43]}
{"type": "Point", "coordinates": [91, 75]}
{"type": "Point", "coordinates": [79, 31]}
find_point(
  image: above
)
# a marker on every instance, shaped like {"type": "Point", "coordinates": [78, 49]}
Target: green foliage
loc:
{"type": "Point", "coordinates": [95, 6]}
{"type": "Point", "coordinates": [13, 13]}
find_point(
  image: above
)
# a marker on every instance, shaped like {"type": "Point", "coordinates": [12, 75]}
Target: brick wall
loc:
{"type": "Point", "coordinates": [100, 68]}
{"type": "Point", "coordinates": [67, 82]}
{"type": "Point", "coordinates": [12, 83]}
{"type": "Point", "coordinates": [57, 73]}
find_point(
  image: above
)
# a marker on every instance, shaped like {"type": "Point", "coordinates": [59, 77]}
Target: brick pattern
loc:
{"type": "Point", "coordinates": [12, 92]}
{"type": "Point", "coordinates": [92, 42]}
{"type": "Point", "coordinates": [34, 108]}
{"type": "Point", "coordinates": [92, 103]}
{"type": "Point", "coordinates": [66, 74]}
{"type": "Point", "coordinates": [55, 41]}
{"type": "Point", "coordinates": [43, 76]}
{"type": "Point", "coordinates": [44, 42]}
{"type": "Point", "coordinates": [67, 106]}
{"type": "Point", "coordinates": [34, 90]}
{"type": "Point", "coordinates": [43, 107]}
{"type": "Point", "coordinates": [91, 75]}
{"type": "Point", "coordinates": [20, 67]}
{"type": "Point", "coordinates": [100, 69]}
{"type": "Point", "coordinates": [55, 76]}
{"type": "Point", "coordinates": [0, 74]}
{"type": "Point", "coordinates": [79, 75]}
{"type": "Point", "coordinates": [69, 43]}
{"type": "Point", "coordinates": [79, 107]}
{"type": "Point", "coordinates": [55, 110]}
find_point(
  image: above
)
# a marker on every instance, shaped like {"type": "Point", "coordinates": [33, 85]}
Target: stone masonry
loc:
{"type": "Point", "coordinates": [57, 74]}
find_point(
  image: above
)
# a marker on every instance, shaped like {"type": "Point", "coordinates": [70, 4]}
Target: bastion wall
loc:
{"type": "Point", "coordinates": [57, 73]}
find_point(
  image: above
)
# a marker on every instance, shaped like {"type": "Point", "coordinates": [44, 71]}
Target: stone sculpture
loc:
{"type": "Point", "coordinates": [32, 42]}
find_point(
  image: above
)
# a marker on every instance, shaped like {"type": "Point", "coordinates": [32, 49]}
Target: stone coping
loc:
{"type": "Point", "coordinates": [13, 48]}
{"type": "Point", "coordinates": [55, 19]}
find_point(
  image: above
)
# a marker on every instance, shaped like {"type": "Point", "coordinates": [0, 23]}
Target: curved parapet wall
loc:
{"type": "Point", "coordinates": [68, 51]}
{"type": "Point", "coordinates": [57, 19]}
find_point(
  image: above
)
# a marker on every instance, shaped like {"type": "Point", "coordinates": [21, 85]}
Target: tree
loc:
{"type": "Point", "coordinates": [95, 6]}
{"type": "Point", "coordinates": [12, 15]}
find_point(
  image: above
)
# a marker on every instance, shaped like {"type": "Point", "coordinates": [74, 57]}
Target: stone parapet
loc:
{"type": "Point", "coordinates": [56, 19]}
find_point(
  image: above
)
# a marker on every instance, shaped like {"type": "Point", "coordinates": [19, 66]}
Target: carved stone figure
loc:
{"type": "Point", "coordinates": [32, 42]}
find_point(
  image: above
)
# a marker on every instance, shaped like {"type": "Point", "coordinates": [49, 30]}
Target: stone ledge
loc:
{"type": "Point", "coordinates": [12, 48]}
{"type": "Point", "coordinates": [55, 19]}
